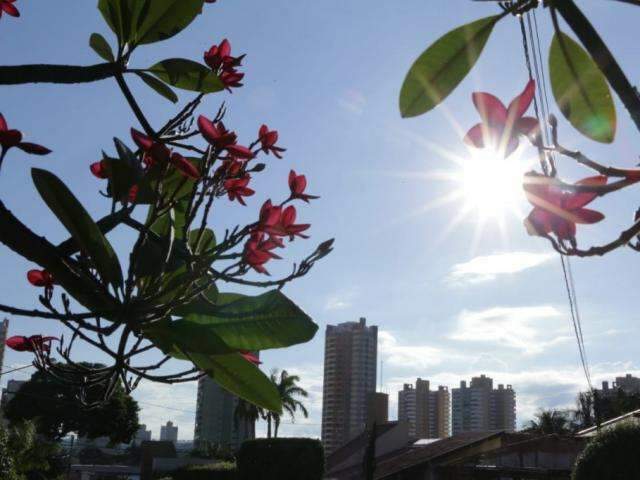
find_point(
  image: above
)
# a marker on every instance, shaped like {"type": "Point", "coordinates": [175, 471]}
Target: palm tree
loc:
{"type": "Point", "coordinates": [249, 413]}
{"type": "Point", "coordinates": [550, 421]}
{"type": "Point", "coordinates": [289, 394]}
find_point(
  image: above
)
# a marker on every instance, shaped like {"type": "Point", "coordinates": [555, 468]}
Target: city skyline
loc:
{"type": "Point", "coordinates": [451, 302]}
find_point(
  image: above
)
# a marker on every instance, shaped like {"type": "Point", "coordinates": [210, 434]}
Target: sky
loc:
{"type": "Point", "coordinates": [453, 295]}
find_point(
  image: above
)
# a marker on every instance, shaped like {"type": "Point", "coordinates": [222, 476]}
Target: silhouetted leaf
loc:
{"type": "Point", "coordinates": [99, 45]}
{"type": "Point", "coordinates": [442, 66]}
{"type": "Point", "coordinates": [187, 74]}
{"type": "Point", "coordinates": [159, 86]}
{"type": "Point", "coordinates": [581, 90]}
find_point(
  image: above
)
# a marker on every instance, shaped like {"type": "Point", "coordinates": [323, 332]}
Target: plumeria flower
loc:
{"type": "Point", "coordinates": [258, 251]}
{"type": "Point", "coordinates": [250, 357]}
{"type": "Point", "coordinates": [219, 59]}
{"type": "Point", "coordinates": [557, 211]}
{"type": "Point", "coordinates": [30, 344]}
{"type": "Point", "coordinates": [501, 126]}
{"type": "Point", "coordinates": [99, 169]}
{"type": "Point", "coordinates": [237, 188]}
{"type": "Point", "coordinates": [8, 7]}
{"type": "Point", "coordinates": [10, 138]}
{"type": "Point", "coordinates": [297, 185]}
{"type": "Point", "coordinates": [231, 168]}
{"type": "Point", "coordinates": [216, 134]}
{"type": "Point", "coordinates": [287, 225]}
{"type": "Point", "coordinates": [269, 217]}
{"type": "Point", "coordinates": [154, 152]}
{"type": "Point", "coordinates": [268, 139]}
{"type": "Point", "coordinates": [239, 151]}
{"type": "Point", "coordinates": [40, 278]}
{"type": "Point", "coordinates": [184, 166]}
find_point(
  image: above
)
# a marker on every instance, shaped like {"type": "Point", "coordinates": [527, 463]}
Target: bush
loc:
{"type": "Point", "coordinates": [611, 455]}
{"type": "Point", "coordinates": [218, 471]}
{"type": "Point", "coordinates": [281, 459]}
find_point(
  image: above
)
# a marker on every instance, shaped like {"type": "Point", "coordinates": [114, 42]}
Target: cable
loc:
{"type": "Point", "coordinates": [16, 369]}
{"type": "Point", "coordinates": [537, 73]}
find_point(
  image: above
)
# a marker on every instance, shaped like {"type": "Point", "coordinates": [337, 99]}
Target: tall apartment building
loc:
{"type": "Point", "coordinates": [4, 329]}
{"type": "Point", "coordinates": [142, 435]}
{"type": "Point", "coordinates": [628, 384]}
{"type": "Point", "coordinates": [350, 360]}
{"type": "Point", "coordinates": [215, 417]}
{"type": "Point", "coordinates": [426, 412]}
{"type": "Point", "coordinates": [377, 408]}
{"type": "Point", "coordinates": [169, 432]}
{"type": "Point", "coordinates": [480, 407]}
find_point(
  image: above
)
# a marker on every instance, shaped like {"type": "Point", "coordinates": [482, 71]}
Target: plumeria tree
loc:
{"type": "Point", "coordinates": [582, 74]}
{"type": "Point", "coordinates": [173, 290]}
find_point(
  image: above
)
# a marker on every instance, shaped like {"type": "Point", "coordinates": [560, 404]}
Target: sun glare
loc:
{"type": "Point", "coordinates": [491, 185]}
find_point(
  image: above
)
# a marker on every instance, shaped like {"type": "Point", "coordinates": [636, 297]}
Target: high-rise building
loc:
{"type": "Point", "coordinates": [628, 384]}
{"type": "Point", "coordinates": [480, 407]}
{"type": "Point", "coordinates": [350, 359]}
{"type": "Point", "coordinates": [215, 417]}
{"type": "Point", "coordinates": [426, 412]}
{"type": "Point", "coordinates": [10, 391]}
{"type": "Point", "coordinates": [142, 435]}
{"type": "Point", "coordinates": [4, 329]}
{"type": "Point", "coordinates": [377, 408]}
{"type": "Point", "coordinates": [169, 432]}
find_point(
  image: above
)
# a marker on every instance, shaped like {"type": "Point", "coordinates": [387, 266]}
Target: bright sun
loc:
{"type": "Point", "coordinates": [491, 185]}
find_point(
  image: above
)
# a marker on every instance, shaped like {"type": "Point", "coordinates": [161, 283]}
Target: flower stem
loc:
{"type": "Point", "coordinates": [134, 105]}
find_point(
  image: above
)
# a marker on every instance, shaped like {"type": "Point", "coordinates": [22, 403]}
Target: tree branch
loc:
{"type": "Point", "coordinates": [42, 73]}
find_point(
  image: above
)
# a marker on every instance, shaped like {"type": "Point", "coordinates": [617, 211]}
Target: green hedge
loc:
{"type": "Point", "coordinates": [612, 455]}
{"type": "Point", "coordinates": [219, 471]}
{"type": "Point", "coordinates": [281, 459]}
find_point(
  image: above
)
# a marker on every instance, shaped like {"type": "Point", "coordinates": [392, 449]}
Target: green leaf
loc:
{"type": "Point", "coordinates": [203, 303]}
{"type": "Point", "coordinates": [240, 377]}
{"type": "Point", "coordinates": [186, 74]}
{"type": "Point", "coordinates": [160, 87]}
{"type": "Point", "coordinates": [165, 18]}
{"type": "Point", "coordinates": [99, 45]}
{"type": "Point", "coordinates": [79, 224]}
{"type": "Point", "coordinates": [206, 241]}
{"type": "Point", "coordinates": [581, 90]}
{"type": "Point", "coordinates": [442, 66]}
{"type": "Point", "coordinates": [266, 321]}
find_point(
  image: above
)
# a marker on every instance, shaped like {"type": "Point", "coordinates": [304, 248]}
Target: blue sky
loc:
{"type": "Point", "coordinates": [450, 303]}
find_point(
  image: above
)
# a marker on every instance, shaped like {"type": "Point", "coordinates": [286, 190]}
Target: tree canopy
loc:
{"type": "Point", "coordinates": [57, 410]}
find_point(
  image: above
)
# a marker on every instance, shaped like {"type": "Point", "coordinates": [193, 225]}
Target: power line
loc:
{"type": "Point", "coordinates": [16, 369]}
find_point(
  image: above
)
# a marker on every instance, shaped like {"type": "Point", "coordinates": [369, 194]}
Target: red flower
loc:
{"type": "Point", "coordinates": [231, 168]}
{"type": "Point", "coordinates": [501, 126]}
{"type": "Point", "coordinates": [30, 344]}
{"type": "Point", "coordinates": [297, 185]}
{"type": "Point", "coordinates": [268, 139]}
{"type": "Point", "coordinates": [239, 151]}
{"type": "Point", "coordinates": [250, 357]}
{"type": "Point", "coordinates": [184, 166]}
{"type": "Point", "coordinates": [219, 59]}
{"type": "Point", "coordinates": [217, 135]}
{"type": "Point", "coordinates": [133, 193]}
{"type": "Point", "coordinates": [40, 278]}
{"type": "Point", "coordinates": [13, 138]}
{"type": "Point", "coordinates": [269, 217]}
{"type": "Point", "coordinates": [99, 169]}
{"type": "Point", "coordinates": [556, 210]}
{"type": "Point", "coordinates": [231, 78]}
{"type": "Point", "coordinates": [154, 152]}
{"type": "Point", "coordinates": [257, 251]}
{"type": "Point", "coordinates": [237, 188]}
{"type": "Point", "coordinates": [7, 7]}
{"type": "Point", "coordinates": [288, 226]}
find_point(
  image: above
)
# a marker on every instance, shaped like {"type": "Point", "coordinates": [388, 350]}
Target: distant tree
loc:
{"type": "Point", "coordinates": [249, 413]}
{"type": "Point", "coordinates": [29, 456]}
{"type": "Point", "coordinates": [289, 393]}
{"type": "Point", "coordinates": [550, 421]}
{"type": "Point", "coordinates": [57, 410]}
{"type": "Point", "coordinates": [590, 407]}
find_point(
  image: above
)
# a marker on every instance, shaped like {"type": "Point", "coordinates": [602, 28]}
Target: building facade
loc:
{"type": "Point", "coordinates": [215, 418]}
{"type": "Point", "coordinates": [426, 412]}
{"type": "Point", "coordinates": [4, 330]}
{"type": "Point", "coordinates": [142, 435]}
{"type": "Point", "coordinates": [350, 360]}
{"type": "Point", "coordinates": [377, 408]}
{"type": "Point", "coordinates": [169, 432]}
{"type": "Point", "coordinates": [480, 407]}
{"type": "Point", "coordinates": [10, 391]}
{"type": "Point", "coordinates": [628, 384]}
